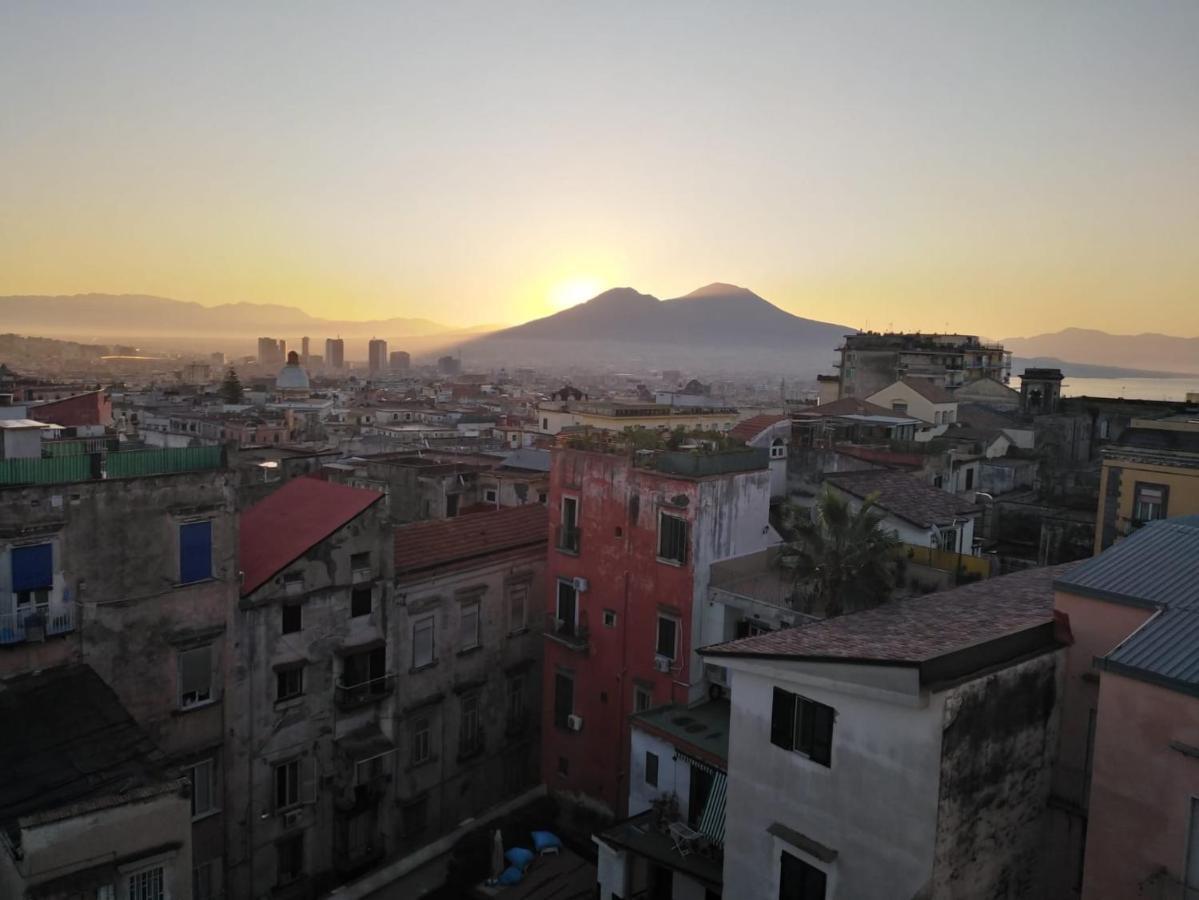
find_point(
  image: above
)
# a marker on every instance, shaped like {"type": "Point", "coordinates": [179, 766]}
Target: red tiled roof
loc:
{"type": "Point", "coordinates": [916, 629]}
{"type": "Point", "coordinates": [904, 495]}
{"type": "Point", "coordinates": [427, 545]}
{"type": "Point", "coordinates": [281, 528]}
{"type": "Point", "coordinates": [846, 406]}
{"type": "Point", "coordinates": [933, 393]}
{"type": "Point", "coordinates": [752, 427]}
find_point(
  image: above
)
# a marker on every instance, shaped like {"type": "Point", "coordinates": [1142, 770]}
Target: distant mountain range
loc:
{"type": "Point", "coordinates": [1155, 354]}
{"type": "Point", "coordinates": [718, 327]}
{"type": "Point", "coordinates": [138, 318]}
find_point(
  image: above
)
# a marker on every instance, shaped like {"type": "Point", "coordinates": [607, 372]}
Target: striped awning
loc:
{"type": "Point", "coordinates": [711, 820]}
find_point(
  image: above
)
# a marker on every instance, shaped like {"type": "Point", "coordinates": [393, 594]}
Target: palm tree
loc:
{"type": "Point", "coordinates": [844, 561]}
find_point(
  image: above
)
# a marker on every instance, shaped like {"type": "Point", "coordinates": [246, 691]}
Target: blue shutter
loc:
{"type": "Point", "coordinates": [32, 567]}
{"type": "Point", "coordinates": [195, 552]}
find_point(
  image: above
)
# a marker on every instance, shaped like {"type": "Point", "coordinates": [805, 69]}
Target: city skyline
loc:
{"type": "Point", "coordinates": [996, 171]}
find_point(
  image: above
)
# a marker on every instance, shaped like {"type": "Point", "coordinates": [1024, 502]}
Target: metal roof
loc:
{"type": "Point", "coordinates": [1156, 566]}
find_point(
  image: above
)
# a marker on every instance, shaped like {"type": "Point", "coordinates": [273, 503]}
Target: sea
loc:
{"type": "Point", "coordinates": [1127, 388]}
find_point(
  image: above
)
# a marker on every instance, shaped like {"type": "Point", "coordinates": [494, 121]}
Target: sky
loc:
{"type": "Point", "coordinates": [1000, 168]}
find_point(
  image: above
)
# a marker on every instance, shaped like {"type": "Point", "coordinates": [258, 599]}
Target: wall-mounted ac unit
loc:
{"type": "Point", "coordinates": [662, 663]}
{"type": "Point", "coordinates": [574, 723]}
{"type": "Point", "coordinates": [579, 584]}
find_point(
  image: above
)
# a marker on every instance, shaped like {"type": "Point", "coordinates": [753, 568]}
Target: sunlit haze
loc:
{"type": "Point", "coordinates": [1002, 168]}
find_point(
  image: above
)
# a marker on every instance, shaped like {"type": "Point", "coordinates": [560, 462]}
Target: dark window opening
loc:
{"type": "Point", "coordinates": [672, 538]}
{"type": "Point", "coordinates": [292, 618]}
{"type": "Point", "coordinates": [564, 699]}
{"type": "Point", "coordinates": [802, 725]}
{"type": "Point", "coordinates": [360, 602]}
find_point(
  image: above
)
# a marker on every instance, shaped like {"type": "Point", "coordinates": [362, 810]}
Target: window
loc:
{"type": "Point", "coordinates": [287, 785]}
{"type": "Point", "coordinates": [422, 642]}
{"type": "Point", "coordinates": [109, 892]}
{"type": "Point", "coordinates": [778, 449]}
{"type": "Point", "coordinates": [642, 699]}
{"type": "Point", "coordinates": [541, 497]}
{"type": "Point", "coordinates": [490, 495]}
{"type": "Point", "coordinates": [203, 779]}
{"type": "Point", "coordinates": [545, 424]}
{"type": "Point", "coordinates": [147, 884]}
{"type": "Point", "coordinates": [668, 630]}
{"type": "Point", "coordinates": [949, 539]}
{"type": "Point", "coordinates": [195, 676]}
{"type": "Point", "coordinates": [970, 478]}
{"type": "Point", "coordinates": [470, 733]}
{"type": "Point", "coordinates": [415, 816]}
{"type": "Point", "coordinates": [293, 584]}
{"type": "Point", "coordinates": [899, 407]}
{"type": "Point", "coordinates": [289, 858]}
{"type": "Point", "coordinates": [651, 769]}
{"type": "Point", "coordinates": [289, 683]}
{"type": "Point", "coordinates": [800, 881]}
{"type": "Point", "coordinates": [421, 747]}
{"type": "Point", "coordinates": [672, 538]}
{"type": "Point", "coordinates": [568, 532]}
{"type": "Point", "coordinates": [451, 505]}
{"type": "Point", "coordinates": [563, 766]}
{"type": "Point", "coordinates": [609, 619]}
{"type": "Point", "coordinates": [564, 698]}
{"type": "Point", "coordinates": [32, 575]}
{"type": "Point", "coordinates": [360, 602]}
{"type": "Point", "coordinates": [469, 625]}
{"type": "Point", "coordinates": [518, 601]}
{"type": "Point", "coordinates": [751, 628]}
{"type": "Point", "coordinates": [366, 670]}
{"type": "Point", "coordinates": [373, 769]}
{"type": "Point", "coordinates": [360, 564]}
{"type": "Point", "coordinates": [516, 699]}
{"type": "Point", "coordinates": [1150, 502]}
{"type": "Point", "coordinates": [292, 619]}
{"type": "Point", "coordinates": [802, 725]}
{"type": "Point", "coordinates": [567, 612]}
{"type": "Point", "coordinates": [206, 880]}
{"type": "Point", "coordinates": [195, 552]}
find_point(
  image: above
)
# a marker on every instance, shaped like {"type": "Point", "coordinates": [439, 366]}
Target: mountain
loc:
{"type": "Point", "coordinates": [142, 319]}
{"type": "Point", "coordinates": [721, 326]}
{"type": "Point", "coordinates": [1154, 352]}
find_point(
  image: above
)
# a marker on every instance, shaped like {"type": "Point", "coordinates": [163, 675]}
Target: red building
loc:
{"type": "Point", "coordinates": [632, 540]}
{"type": "Point", "coordinates": [90, 408]}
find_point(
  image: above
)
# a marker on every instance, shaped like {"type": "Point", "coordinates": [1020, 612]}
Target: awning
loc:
{"type": "Point", "coordinates": [711, 821]}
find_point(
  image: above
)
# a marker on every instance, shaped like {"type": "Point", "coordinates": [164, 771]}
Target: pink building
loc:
{"type": "Point", "coordinates": [1127, 781]}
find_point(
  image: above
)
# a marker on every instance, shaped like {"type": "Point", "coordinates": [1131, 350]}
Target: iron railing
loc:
{"type": "Point", "coordinates": [37, 623]}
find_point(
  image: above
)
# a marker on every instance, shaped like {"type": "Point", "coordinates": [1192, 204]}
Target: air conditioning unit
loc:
{"type": "Point", "coordinates": [662, 663]}
{"type": "Point", "coordinates": [579, 584]}
{"type": "Point", "coordinates": [574, 723]}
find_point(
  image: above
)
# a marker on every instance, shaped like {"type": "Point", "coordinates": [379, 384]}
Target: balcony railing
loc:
{"type": "Point", "coordinates": [349, 696]}
{"type": "Point", "coordinates": [570, 539]}
{"type": "Point", "coordinates": [37, 623]}
{"type": "Point", "coordinates": [573, 633]}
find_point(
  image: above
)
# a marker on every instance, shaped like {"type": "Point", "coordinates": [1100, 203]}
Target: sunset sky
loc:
{"type": "Point", "coordinates": [1004, 168]}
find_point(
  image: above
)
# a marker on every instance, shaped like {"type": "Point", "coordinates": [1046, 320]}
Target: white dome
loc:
{"type": "Point", "coordinates": [292, 377]}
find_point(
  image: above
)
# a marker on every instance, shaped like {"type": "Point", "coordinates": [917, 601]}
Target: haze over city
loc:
{"type": "Point", "coordinates": [1005, 170]}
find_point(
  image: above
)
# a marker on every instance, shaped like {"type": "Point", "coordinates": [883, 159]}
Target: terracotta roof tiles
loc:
{"type": "Point", "coordinates": [428, 545]}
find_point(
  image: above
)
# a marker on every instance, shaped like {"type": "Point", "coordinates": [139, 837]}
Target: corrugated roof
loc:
{"type": "Point", "coordinates": [1157, 565]}
{"type": "Point", "coordinates": [278, 530]}
{"type": "Point", "coordinates": [1154, 566]}
{"type": "Point", "coordinates": [904, 495]}
{"type": "Point", "coordinates": [916, 629]}
{"type": "Point", "coordinates": [427, 545]}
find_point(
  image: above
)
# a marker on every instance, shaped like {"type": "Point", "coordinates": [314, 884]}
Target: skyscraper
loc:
{"type": "Point", "coordinates": [377, 351]}
{"type": "Point", "coordinates": [268, 351]}
{"type": "Point", "coordinates": [400, 361]}
{"type": "Point", "coordinates": [304, 351]}
{"type": "Point", "coordinates": [335, 353]}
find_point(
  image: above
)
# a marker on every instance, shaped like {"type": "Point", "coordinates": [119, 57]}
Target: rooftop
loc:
{"type": "Point", "coordinates": [279, 529]}
{"type": "Point", "coordinates": [844, 407]}
{"type": "Point", "coordinates": [67, 738]}
{"type": "Point", "coordinates": [755, 425]}
{"type": "Point", "coordinates": [917, 630]}
{"type": "Point", "coordinates": [904, 496]}
{"type": "Point", "coordinates": [704, 728]}
{"type": "Point", "coordinates": [425, 546]}
{"type": "Point", "coordinates": [931, 392]}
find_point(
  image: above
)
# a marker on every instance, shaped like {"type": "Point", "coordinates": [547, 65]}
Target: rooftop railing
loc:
{"type": "Point", "coordinates": [113, 464]}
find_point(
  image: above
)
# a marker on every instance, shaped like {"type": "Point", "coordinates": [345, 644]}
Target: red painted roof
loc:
{"type": "Point", "coordinates": [427, 545]}
{"type": "Point", "coordinates": [752, 427]}
{"type": "Point", "coordinates": [280, 529]}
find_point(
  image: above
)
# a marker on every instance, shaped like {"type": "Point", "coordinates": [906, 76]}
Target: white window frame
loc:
{"type": "Point", "coordinates": [431, 621]}
{"type": "Point", "coordinates": [470, 638]}
{"type": "Point", "coordinates": [198, 701]}
{"type": "Point", "coordinates": [569, 585]}
{"type": "Point", "coordinates": [126, 874]}
{"type": "Point", "coordinates": [674, 654]}
{"type": "Point", "coordinates": [213, 806]}
{"type": "Point", "coordinates": [669, 560]}
{"type": "Point", "coordinates": [491, 495]}
{"type": "Point", "coordinates": [427, 744]}
{"type": "Point", "coordinates": [778, 449]}
{"type": "Point", "coordinates": [518, 598]}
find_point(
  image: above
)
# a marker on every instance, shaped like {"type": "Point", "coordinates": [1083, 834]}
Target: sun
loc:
{"type": "Point", "coordinates": [573, 291]}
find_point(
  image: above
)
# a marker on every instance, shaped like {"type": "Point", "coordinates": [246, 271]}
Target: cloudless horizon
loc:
{"type": "Point", "coordinates": [1000, 169]}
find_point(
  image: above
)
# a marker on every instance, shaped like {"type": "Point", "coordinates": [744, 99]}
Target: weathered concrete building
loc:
{"type": "Point", "coordinates": [870, 361]}
{"type": "Point", "coordinates": [466, 622]}
{"type": "Point", "coordinates": [88, 806]}
{"type": "Point", "coordinates": [311, 674]}
{"type": "Point", "coordinates": [903, 751]}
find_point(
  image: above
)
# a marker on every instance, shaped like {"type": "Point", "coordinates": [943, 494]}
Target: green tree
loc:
{"type": "Point", "coordinates": [844, 561]}
{"type": "Point", "coordinates": [231, 391]}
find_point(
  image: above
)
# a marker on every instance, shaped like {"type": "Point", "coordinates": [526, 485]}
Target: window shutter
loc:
{"type": "Point", "coordinates": [195, 552]}
{"type": "Point", "coordinates": [822, 733]}
{"type": "Point", "coordinates": [32, 567]}
{"type": "Point", "coordinates": [807, 722]}
{"type": "Point", "coordinates": [782, 719]}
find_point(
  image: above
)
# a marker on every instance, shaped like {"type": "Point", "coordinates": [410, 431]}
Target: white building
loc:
{"type": "Point", "coordinates": [859, 748]}
{"type": "Point", "coordinates": [918, 397]}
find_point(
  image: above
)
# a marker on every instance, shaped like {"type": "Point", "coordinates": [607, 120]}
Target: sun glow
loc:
{"type": "Point", "coordinates": [573, 291]}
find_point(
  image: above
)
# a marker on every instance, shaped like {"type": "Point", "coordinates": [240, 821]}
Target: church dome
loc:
{"type": "Point", "coordinates": [292, 377]}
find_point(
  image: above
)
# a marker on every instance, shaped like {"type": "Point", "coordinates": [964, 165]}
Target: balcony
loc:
{"type": "Point", "coordinates": [569, 539]}
{"type": "Point", "coordinates": [36, 623]}
{"type": "Point", "coordinates": [574, 634]}
{"type": "Point", "coordinates": [352, 696]}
